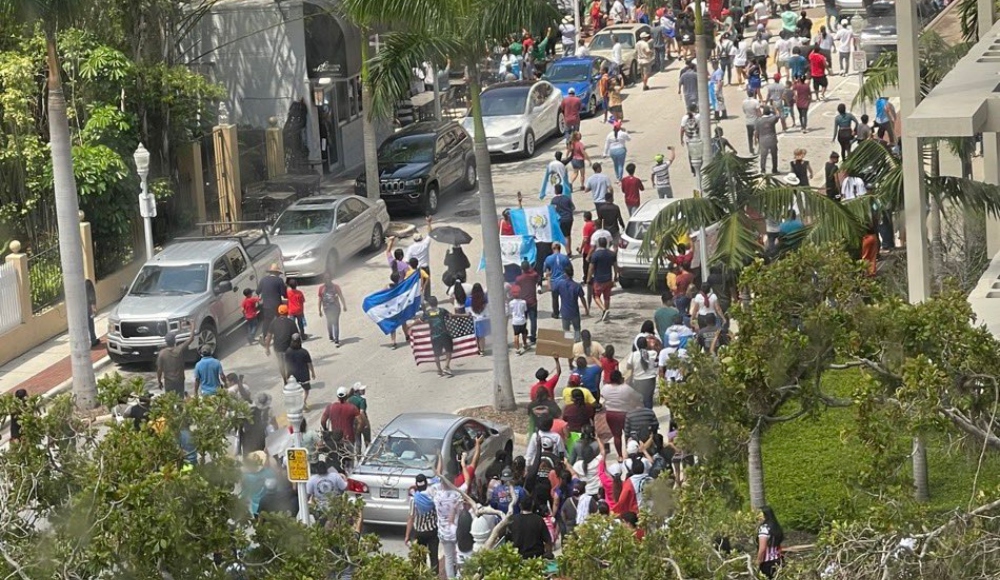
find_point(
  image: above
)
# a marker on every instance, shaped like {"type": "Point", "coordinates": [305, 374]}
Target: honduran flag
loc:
{"type": "Point", "coordinates": [391, 307]}
{"type": "Point", "coordinates": [541, 221]}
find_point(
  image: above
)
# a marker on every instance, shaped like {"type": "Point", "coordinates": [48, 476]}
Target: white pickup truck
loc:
{"type": "Point", "coordinates": [200, 279]}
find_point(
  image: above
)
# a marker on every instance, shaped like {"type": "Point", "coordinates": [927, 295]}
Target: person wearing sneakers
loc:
{"type": "Point", "coordinates": [208, 374]}
{"type": "Point", "coordinates": [280, 336]}
{"type": "Point", "coordinates": [660, 174]}
{"type": "Point", "coordinates": [299, 364]}
{"type": "Point", "coordinates": [341, 416]}
{"type": "Point", "coordinates": [518, 310]}
{"type": "Point", "coordinates": [603, 273]}
{"type": "Point", "coordinates": [363, 437]}
{"type": "Point", "coordinates": [644, 56]}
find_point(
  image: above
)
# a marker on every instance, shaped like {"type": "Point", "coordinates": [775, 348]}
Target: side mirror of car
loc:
{"type": "Point", "coordinates": [223, 287]}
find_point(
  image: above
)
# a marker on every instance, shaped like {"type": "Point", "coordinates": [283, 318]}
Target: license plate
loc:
{"type": "Point", "coordinates": [388, 493]}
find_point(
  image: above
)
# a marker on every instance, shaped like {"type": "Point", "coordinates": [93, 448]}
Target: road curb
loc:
{"type": "Point", "coordinates": [66, 385]}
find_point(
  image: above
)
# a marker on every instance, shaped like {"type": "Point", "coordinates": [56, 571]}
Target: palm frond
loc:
{"type": "Point", "coordinates": [882, 75]}
{"type": "Point", "coordinates": [965, 193]}
{"type": "Point", "coordinates": [872, 161]}
{"type": "Point", "coordinates": [968, 19]}
{"type": "Point", "coordinates": [492, 21]}
{"type": "Point", "coordinates": [391, 69]}
{"type": "Point", "coordinates": [729, 176]}
{"type": "Point", "coordinates": [829, 220]}
{"type": "Point", "coordinates": [736, 243]}
{"type": "Point", "coordinates": [678, 218]}
{"type": "Point", "coordinates": [410, 14]}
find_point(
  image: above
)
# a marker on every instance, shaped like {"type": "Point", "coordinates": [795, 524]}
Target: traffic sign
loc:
{"type": "Point", "coordinates": [859, 60]}
{"type": "Point", "coordinates": [297, 460]}
{"type": "Point", "coordinates": [147, 205]}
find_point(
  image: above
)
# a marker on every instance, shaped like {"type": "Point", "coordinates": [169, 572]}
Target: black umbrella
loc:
{"type": "Point", "coordinates": [451, 236]}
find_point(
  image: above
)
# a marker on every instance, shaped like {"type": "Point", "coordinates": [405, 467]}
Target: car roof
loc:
{"type": "Point", "coordinates": [575, 60]}
{"type": "Point", "coordinates": [424, 128]}
{"type": "Point", "coordinates": [193, 251]}
{"type": "Point", "coordinates": [424, 425]}
{"type": "Point", "coordinates": [622, 28]}
{"type": "Point", "coordinates": [320, 201]}
{"type": "Point", "coordinates": [510, 85]}
{"type": "Point", "coordinates": [648, 210]}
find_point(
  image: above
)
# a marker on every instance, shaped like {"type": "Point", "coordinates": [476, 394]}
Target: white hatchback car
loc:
{"type": "Point", "coordinates": [634, 269]}
{"type": "Point", "coordinates": [517, 114]}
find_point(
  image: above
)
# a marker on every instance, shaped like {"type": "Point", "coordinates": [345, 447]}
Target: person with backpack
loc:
{"type": "Point", "coordinates": [544, 442]}
{"type": "Point", "coordinates": [630, 498]}
{"type": "Point", "coordinates": [421, 524]}
{"type": "Point", "coordinates": [331, 304]}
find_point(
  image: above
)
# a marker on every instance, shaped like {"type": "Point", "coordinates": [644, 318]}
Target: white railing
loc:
{"type": "Point", "coordinates": [10, 301]}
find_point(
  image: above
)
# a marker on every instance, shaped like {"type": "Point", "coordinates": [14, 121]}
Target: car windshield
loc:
{"type": "Point", "coordinates": [606, 41]}
{"type": "Point", "coordinates": [297, 222]}
{"type": "Point", "coordinates": [170, 280]}
{"type": "Point", "coordinates": [408, 149]}
{"type": "Point", "coordinates": [504, 102]}
{"type": "Point", "coordinates": [567, 72]}
{"type": "Point", "coordinates": [400, 450]}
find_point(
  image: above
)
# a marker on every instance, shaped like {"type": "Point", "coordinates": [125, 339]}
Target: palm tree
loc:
{"type": "Point", "coordinates": [50, 15]}
{"type": "Point", "coordinates": [464, 31]}
{"type": "Point", "coordinates": [736, 197]}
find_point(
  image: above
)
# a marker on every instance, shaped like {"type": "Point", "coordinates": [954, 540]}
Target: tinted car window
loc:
{"type": "Point", "coordinates": [220, 271]}
{"type": "Point", "coordinates": [408, 149]}
{"type": "Point", "coordinates": [571, 73]}
{"type": "Point", "coordinates": [237, 263]}
{"type": "Point", "coordinates": [346, 212]}
{"type": "Point", "coordinates": [304, 221]}
{"type": "Point", "coordinates": [356, 206]}
{"type": "Point", "coordinates": [505, 101]}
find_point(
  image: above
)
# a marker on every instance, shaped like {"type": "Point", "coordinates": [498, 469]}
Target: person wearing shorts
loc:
{"type": "Point", "coordinates": [818, 65]}
{"type": "Point", "coordinates": [602, 273]}
{"type": "Point", "coordinates": [441, 342]}
{"type": "Point", "coordinates": [578, 159]}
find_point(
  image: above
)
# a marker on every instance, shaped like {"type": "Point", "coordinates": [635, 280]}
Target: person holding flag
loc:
{"type": "Point", "coordinates": [555, 175]}
{"type": "Point", "coordinates": [393, 307]}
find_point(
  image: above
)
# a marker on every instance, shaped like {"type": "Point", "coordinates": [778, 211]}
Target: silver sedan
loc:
{"type": "Point", "coordinates": [317, 234]}
{"type": "Point", "coordinates": [517, 114]}
{"type": "Point", "coordinates": [409, 445]}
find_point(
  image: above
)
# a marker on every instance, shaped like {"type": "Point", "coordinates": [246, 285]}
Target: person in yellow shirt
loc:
{"type": "Point", "coordinates": [425, 278]}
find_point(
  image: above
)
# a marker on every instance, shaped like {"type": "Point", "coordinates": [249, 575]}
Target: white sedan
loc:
{"type": "Point", "coordinates": [517, 114]}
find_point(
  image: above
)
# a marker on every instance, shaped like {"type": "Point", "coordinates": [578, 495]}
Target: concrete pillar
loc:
{"type": "Point", "coordinates": [312, 131]}
{"type": "Point", "coordinates": [991, 141]}
{"type": "Point", "coordinates": [87, 240]}
{"type": "Point", "coordinates": [275, 145]}
{"type": "Point", "coordinates": [191, 179]}
{"type": "Point", "coordinates": [914, 196]}
{"type": "Point", "coordinates": [20, 263]}
{"type": "Point", "coordinates": [227, 173]}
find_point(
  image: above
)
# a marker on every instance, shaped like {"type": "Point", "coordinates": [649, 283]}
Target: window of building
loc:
{"type": "Point", "coordinates": [348, 100]}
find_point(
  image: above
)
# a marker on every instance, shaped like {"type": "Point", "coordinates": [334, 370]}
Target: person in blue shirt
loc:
{"type": "Point", "coordinates": [797, 64]}
{"type": "Point", "coordinates": [571, 295]}
{"type": "Point", "coordinates": [507, 493]}
{"type": "Point", "coordinates": [554, 267]}
{"type": "Point", "coordinates": [590, 376]}
{"type": "Point", "coordinates": [565, 208]}
{"type": "Point", "coordinates": [791, 225]}
{"type": "Point", "coordinates": [208, 373]}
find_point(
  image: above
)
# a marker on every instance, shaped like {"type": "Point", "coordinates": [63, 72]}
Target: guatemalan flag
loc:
{"type": "Point", "coordinates": [513, 251]}
{"type": "Point", "coordinates": [542, 222]}
{"type": "Point", "coordinates": [392, 307]}
{"type": "Point", "coordinates": [552, 178]}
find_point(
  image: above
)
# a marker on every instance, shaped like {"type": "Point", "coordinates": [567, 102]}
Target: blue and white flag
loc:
{"type": "Point", "coordinates": [514, 250]}
{"type": "Point", "coordinates": [391, 307]}
{"type": "Point", "coordinates": [542, 222]}
{"type": "Point", "coordinates": [551, 179]}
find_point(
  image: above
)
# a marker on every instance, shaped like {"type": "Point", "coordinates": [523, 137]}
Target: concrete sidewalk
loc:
{"type": "Point", "coordinates": [46, 368]}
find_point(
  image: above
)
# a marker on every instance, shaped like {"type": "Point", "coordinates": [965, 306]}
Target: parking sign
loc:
{"type": "Point", "coordinates": [859, 61]}
{"type": "Point", "coordinates": [297, 460]}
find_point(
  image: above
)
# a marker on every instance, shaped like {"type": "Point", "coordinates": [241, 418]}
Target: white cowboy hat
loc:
{"type": "Point", "coordinates": [791, 179]}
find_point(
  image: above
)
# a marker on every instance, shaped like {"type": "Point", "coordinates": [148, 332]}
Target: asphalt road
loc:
{"type": "Point", "coordinates": [395, 384]}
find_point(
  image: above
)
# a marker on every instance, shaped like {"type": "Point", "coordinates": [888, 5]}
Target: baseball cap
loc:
{"type": "Point", "coordinates": [673, 339]}
{"type": "Point", "coordinates": [572, 91]}
{"type": "Point", "coordinates": [205, 350]}
{"type": "Point", "coordinates": [283, 310]}
{"type": "Point", "coordinates": [359, 387]}
{"type": "Point", "coordinates": [632, 447]}
{"type": "Point", "coordinates": [658, 158]}
{"type": "Point", "coordinates": [506, 475]}
{"type": "Point", "coordinates": [421, 481]}
{"type": "Point", "coordinates": [777, 76]}
{"type": "Point", "coordinates": [341, 392]}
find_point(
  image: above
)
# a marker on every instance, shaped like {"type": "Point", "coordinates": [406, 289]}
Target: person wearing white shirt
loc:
{"type": "Point", "coordinates": [641, 368]}
{"type": "Point", "coordinates": [673, 350]}
{"type": "Point", "coordinates": [556, 167]}
{"type": "Point", "coordinates": [618, 14]}
{"type": "Point", "coordinates": [568, 32]}
{"type": "Point", "coordinates": [845, 42]}
{"type": "Point", "coordinates": [582, 49]}
{"type": "Point", "coordinates": [705, 303]}
{"type": "Point", "coordinates": [420, 250]}
{"type": "Point", "coordinates": [852, 187]}
{"type": "Point", "coordinates": [598, 234]}
{"type": "Point", "coordinates": [507, 62]}
{"type": "Point", "coordinates": [783, 52]}
{"type": "Point", "coordinates": [616, 59]}
{"type": "Point", "coordinates": [615, 146]}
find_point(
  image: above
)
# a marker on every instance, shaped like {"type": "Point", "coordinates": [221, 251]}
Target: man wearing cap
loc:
{"type": "Point", "coordinates": [280, 334]}
{"type": "Point", "coordinates": [170, 362]}
{"type": "Point", "coordinates": [341, 416]}
{"type": "Point", "coordinates": [660, 174]}
{"type": "Point", "coordinates": [420, 250]}
{"type": "Point", "coordinates": [570, 108]}
{"type": "Point", "coordinates": [508, 495]}
{"type": "Point", "coordinates": [357, 399]}
{"type": "Point", "coordinates": [568, 32]}
{"type": "Point", "coordinates": [644, 56]}
{"type": "Point", "coordinates": [421, 524]}
{"type": "Point", "coordinates": [272, 291]}
{"type": "Point", "coordinates": [208, 373]}
{"type": "Point", "coordinates": [299, 364]}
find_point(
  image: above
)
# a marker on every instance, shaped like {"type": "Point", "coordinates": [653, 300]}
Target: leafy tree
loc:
{"type": "Point", "coordinates": [736, 197]}
{"type": "Point", "coordinates": [463, 31]}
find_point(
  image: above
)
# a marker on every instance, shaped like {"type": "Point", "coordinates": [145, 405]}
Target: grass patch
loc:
{"type": "Point", "coordinates": [811, 466]}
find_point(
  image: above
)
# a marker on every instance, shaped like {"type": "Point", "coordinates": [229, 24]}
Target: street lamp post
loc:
{"type": "Point", "coordinates": [147, 203]}
{"type": "Point", "coordinates": [696, 153]}
{"type": "Point", "coordinates": [294, 404]}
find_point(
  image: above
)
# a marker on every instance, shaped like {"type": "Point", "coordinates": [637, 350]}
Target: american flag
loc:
{"type": "Point", "coordinates": [463, 332]}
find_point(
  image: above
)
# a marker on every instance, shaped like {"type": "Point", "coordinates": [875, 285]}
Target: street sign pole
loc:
{"type": "Point", "coordinates": [297, 462]}
{"type": "Point", "coordinates": [860, 62]}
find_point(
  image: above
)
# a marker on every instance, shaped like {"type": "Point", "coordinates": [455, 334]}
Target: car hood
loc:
{"type": "Point", "coordinates": [403, 170]}
{"type": "Point", "coordinates": [497, 126]}
{"type": "Point", "coordinates": [292, 245]}
{"type": "Point", "coordinates": [582, 88]}
{"type": "Point", "coordinates": [156, 307]}
{"type": "Point", "coordinates": [880, 27]}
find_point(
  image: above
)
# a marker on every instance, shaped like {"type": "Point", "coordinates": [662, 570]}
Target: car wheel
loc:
{"type": "Point", "coordinates": [207, 335]}
{"type": "Point", "coordinates": [592, 106]}
{"type": "Point", "coordinates": [471, 176]}
{"type": "Point", "coordinates": [529, 144]}
{"type": "Point", "coordinates": [633, 73]}
{"type": "Point", "coordinates": [431, 199]}
{"type": "Point", "coordinates": [560, 124]}
{"type": "Point", "coordinates": [626, 282]}
{"type": "Point", "coordinates": [378, 237]}
{"type": "Point", "coordinates": [332, 263]}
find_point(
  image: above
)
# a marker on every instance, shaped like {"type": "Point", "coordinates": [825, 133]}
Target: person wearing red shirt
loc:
{"type": "Point", "coordinates": [684, 279]}
{"type": "Point", "coordinates": [570, 107]}
{"type": "Point", "coordinates": [251, 308]}
{"type": "Point", "coordinates": [506, 228]}
{"type": "Point", "coordinates": [341, 416]}
{"type": "Point", "coordinates": [546, 380]}
{"type": "Point", "coordinates": [527, 281]}
{"type": "Point", "coordinates": [608, 363]}
{"type": "Point", "coordinates": [631, 186]}
{"type": "Point", "coordinates": [869, 250]}
{"type": "Point", "coordinates": [589, 227]}
{"type": "Point", "coordinates": [818, 66]}
{"type": "Point", "coordinates": [296, 306]}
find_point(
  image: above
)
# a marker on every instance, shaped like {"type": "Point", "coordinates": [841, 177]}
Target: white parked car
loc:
{"type": "Point", "coordinates": [317, 234]}
{"type": "Point", "coordinates": [634, 269]}
{"type": "Point", "coordinates": [517, 114]}
{"type": "Point", "coordinates": [628, 35]}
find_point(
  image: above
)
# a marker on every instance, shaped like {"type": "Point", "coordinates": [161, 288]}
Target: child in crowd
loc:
{"type": "Point", "coordinates": [518, 310]}
{"type": "Point", "coordinates": [251, 308]}
{"type": "Point", "coordinates": [297, 306]}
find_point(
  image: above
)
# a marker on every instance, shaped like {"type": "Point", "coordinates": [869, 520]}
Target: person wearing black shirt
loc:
{"type": "Point", "coordinates": [271, 290]}
{"type": "Point", "coordinates": [139, 413]}
{"type": "Point", "coordinates": [279, 335]}
{"type": "Point", "coordinates": [804, 26]}
{"type": "Point", "coordinates": [299, 364]}
{"type": "Point", "coordinates": [15, 418]}
{"type": "Point", "coordinates": [832, 180]}
{"type": "Point", "coordinates": [528, 533]}
{"type": "Point", "coordinates": [565, 208]}
{"type": "Point", "coordinates": [610, 216]}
